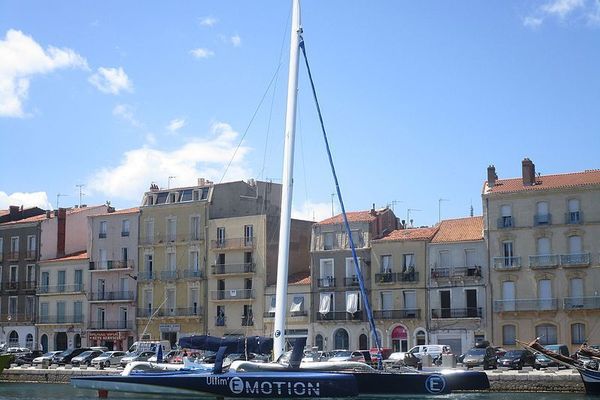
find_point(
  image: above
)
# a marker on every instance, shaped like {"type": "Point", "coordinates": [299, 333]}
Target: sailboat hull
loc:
{"type": "Point", "coordinates": [591, 380]}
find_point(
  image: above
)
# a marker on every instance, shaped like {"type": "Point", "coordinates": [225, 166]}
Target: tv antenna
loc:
{"type": "Point", "coordinates": [440, 208]}
{"type": "Point", "coordinates": [58, 196]}
{"type": "Point", "coordinates": [408, 211]}
{"type": "Point", "coordinates": [81, 194]}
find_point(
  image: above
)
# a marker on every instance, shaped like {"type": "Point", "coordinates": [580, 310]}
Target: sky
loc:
{"type": "Point", "coordinates": [418, 98]}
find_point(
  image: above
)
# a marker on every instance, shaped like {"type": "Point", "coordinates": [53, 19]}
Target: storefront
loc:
{"type": "Point", "coordinates": [114, 340]}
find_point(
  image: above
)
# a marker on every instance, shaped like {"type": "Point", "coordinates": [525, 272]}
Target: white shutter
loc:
{"type": "Point", "coordinates": [506, 210]}
{"type": "Point", "coordinates": [575, 246]}
{"type": "Point", "coordinates": [543, 246]}
{"type": "Point", "coordinates": [573, 205]}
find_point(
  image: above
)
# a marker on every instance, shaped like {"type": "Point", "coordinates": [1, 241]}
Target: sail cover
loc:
{"type": "Point", "coordinates": [251, 344]}
{"type": "Point", "coordinates": [325, 305]}
{"type": "Point", "coordinates": [352, 303]}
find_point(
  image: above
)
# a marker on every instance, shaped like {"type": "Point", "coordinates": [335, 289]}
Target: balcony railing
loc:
{"type": "Point", "coordinates": [542, 219]}
{"type": "Point", "coordinates": [102, 235]}
{"type": "Point", "coordinates": [233, 243]}
{"type": "Point", "coordinates": [506, 222]}
{"type": "Point", "coordinates": [193, 273]}
{"type": "Point", "coordinates": [543, 261]}
{"type": "Point", "coordinates": [146, 275]}
{"type": "Point", "coordinates": [157, 238]}
{"type": "Point", "coordinates": [60, 319]}
{"type": "Point", "coordinates": [109, 265]}
{"type": "Point", "coordinates": [12, 255]}
{"type": "Point", "coordinates": [17, 317]}
{"type": "Point", "coordinates": [220, 320]}
{"type": "Point", "coordinates": [247, 321]}
{"type": "Point", "coordinates": [575, 260]}
{"type": "Point", "coordinates": [124, 233]}
{"type": "Point", "coordinates": [74, 288]}
{"type": "Point", "coordinates": [113, 325]}
{"type": "Point", "coordinates": [581, 303]}
{"type": "Point", "coordinates": [507, 263]}
{"type": "Point", "coordinates": [271, 314]}
{"type": "Point", "coordinates": [180, 312]}
{"type": "Point", "coordinates": [19, 286]}
{"type": "Point", "coordinates": [574, 217]}
{"type": "Point", "coordinates": [340, 316]}
{"type": "Point", "coordinates": [232, 294]}
{"type": "Point", "coordinates": [327, 282]}
{"type": "Point", "coordinates": [440, 273]}
{"type": "Point", "coordinates": [469, 312]}
{"type": "Point", "coordinates": [30, 254]}
{"type": "Point", "coordinates": [112, 296]}
{"type": "Point", "coordinates": [351, 281]}
{"type": "Point", "coordinates": [404, 313]}
{"type": "Point", "coordinates": [392, 277]}
{"type": "Point", "coordinates": [243, 268]}
{"type": "Point", "coordinates": [526, 305]}
{"type": "Point", "coordinates": [169, 275]}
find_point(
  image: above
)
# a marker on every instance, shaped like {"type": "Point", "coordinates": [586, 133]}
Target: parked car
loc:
{"type": "Point", "coordinates": [478, 356]}
{"type": "Point", "coordinates": [434, 350]}
{"type": "Point", "coordinates": [347, 355]}
{"type": "Point", "coordinates": [500, 351]}
{"type": "Point", "coordinates": [28, 358]}
{"type": "Point", "coordinates": [66, 356]}
{"type": "Point", "coordinates": [18, 351]}
{"type": "Point", "coordinates": [541, 361]}
{"type": "Point", "coordinates": [143, 356]}
{"type": "Point", "coordinates": [559, 348]}
{"type": "Point", "coordinates": [517, 359]}
{"type": "Point", "coordinates": [108, 358]}
{"type": "Point", "coordinates": [85, 358]}
{"type": "Point", "coordinates": [47, 356]}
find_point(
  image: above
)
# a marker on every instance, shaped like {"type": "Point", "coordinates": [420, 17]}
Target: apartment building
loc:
{"type": "Point", "coordinates": [172, 262]}
{"type": "Point", "coordinates": [338, 318]}
{"type": "Point", "coordinates": [457, 281]}
{"type": "Point", "coordinates": [398, 287]}
{"type": "Point", "coordinates": [243, 234]}
{"type": "Point", "coordinates": [542, 234]}
{"type": "Point", "coordinates": [112, 291]}
{"type": "Point", "coordinates": [62, 317]}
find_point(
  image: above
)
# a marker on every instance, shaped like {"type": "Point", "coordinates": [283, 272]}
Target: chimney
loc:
{"type": "Point", "coordinates": [491, 177]}
{"type": "Point", "coordinates": [201, 181]}
{"type": "Point", "coordinates": [373, 212]}
{"type": "Point", "coordinates": [528, 172]}
{"type": "Point", "coordinates": [48, 214]}
{"type": "Point", "coordinates": [13, 212]}
{"type": "Point", "coordinates": [61, 232]}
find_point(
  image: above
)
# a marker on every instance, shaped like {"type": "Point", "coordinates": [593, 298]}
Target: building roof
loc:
{"type": "Point", "coordinates": [42, 217]}
{"type": "Point", "coordinates": [301, 278]}
{"type": "Point", "coordinates": [132, 210]}
{"type": "Point", "coordinates": [353, 216]}
{"type": "Point", "coordinates": [409, 234]}
{"type": "Point", "coordinates": [459, 230]}
{"type": "Point", "coordinates": [543, 182]}
{"type": "Point", "coordinates": [80, 255]}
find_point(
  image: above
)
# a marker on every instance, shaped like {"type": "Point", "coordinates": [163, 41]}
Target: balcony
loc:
{"type": "Point", "coordinates": [30, 254]}
{"type": "Point", "coordinates": [124, 233]}
{"type": "Point", "coordinates": [393, 277]}
{"type": "Point", "coordinates": [157, 239]}
{"type": "Point", "coordinates": [169, 275]}
{"type": "Point", "coordinates": [193, 273]}
{"type": "Point", "coordinates": [506, 222]}
{"type": "Point", "coordinates": [581, 303]}
{"type": "Point", "coordinates": [102, 235]}
{"type": "Point", "coordinates": [110, 265]}
{"type": "Point", "coordinates": [469, 312]}
{"type": "Point", "coordinates": [60, 319]}
{"type": "Point", "coordinates": [327, 282]}
{"type": "Point", "coordinates": [526, 305]}
{"type": "Point", "coordinates": [27, 286]}
{"type": "Point", "coordinates": [111, 296]}
{"type": "Point", "coordinates": [112, 325]}
{"type": "Point", "coordinates": [507, 263]}
{"type": "Point", "coordinates": [12, 255]}
{"type": "Point", "coordinates": [233, 244]}
{"type": "Point", "coordinates": [225, 269]}
{"type": "Point", "coordinates": [27, 317]}
{"type": "Point", "coordinates": [403, 313]}
{"type": "Point", "coordinates": [452, 273]}
{"type": "Point", "coordinates": [542, 219]}
{"type": "Point", "coordinates": [340, 316]}
{"type": "Point", "coordinates": [10, 286]}
{"type": "Point", "coordinates": [271, 314]}
{"type": "Point", "coordinates": [351, 281]}
{"type": "Point", "coordinates": [543, 261]}
{"type": "Point", "coordinates": [575, 260]}
{"type": "Point", "coordinates": [74, 288]}
{"type": "Point", "coordinates": [574, 218]}
{"type": "Point", "coordinates": [146, 275]}
{"type": "Point", "coordinates": [180, 312]}
{"type": "Point", "coordinates": [247, 321]}
{"type": "Point", "coordinates": [232, 294]}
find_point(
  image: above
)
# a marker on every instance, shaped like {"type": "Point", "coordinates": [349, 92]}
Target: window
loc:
{"type": "Point", "coordinates": [147, 302]}
{"type": "Point", "coordinates": [150, 230]}
{"type": "Point", "coordinates": [410, 303]}
{"type": "Point", "coordinates": [508, 253]}
{"type": "Point", "coordinates": [356, 239]}
{"type": "Point", "coordinates": [195, 228]}
{"type": "Point", "coordinates": [352, 302]}
{"type": "Point", "coordinates": [350, 269]}
{"type": "Point", "coordinates": [60, 312]}
{"type": "Point", "coordinates": [577, 333]}
{"type": "Point", "coordinates": [506, 220]}
{"type": "Point", "coordinates": [13, 277]}
{"type": "Point", "coordinates": [171, 229]}
{"type": "Point", "coordinates": [62, 279]}
{"type": "Point", "coordinates": [124, 256]}
{"type": "Point", "coordinates": [543, 246]}
{"type": "Point", "coordinates": [12, 306]}
{"type": "Point", "coordinates": [248, 235]}
{"type": "Point", "coordinates": [78, 280]}
{"type": "Point", "coordinates": [125, 227]}
{"type": "Point", "coordinates": [574, 213]}
{"type": "Point", "coordinates": [44, 311]}
{"type": "Point", "coordinates": [387, 301]}
{"type": "Point", "coordinates": [186, 195]}
{"type": "Point", "coordinates": [546, 333]}
{"type": "Point", "coordinates": [420, 337]}
{"type": "Point", "coordinates": [545, 294]}
{"type": "Point", "coordinates": [171, 262]}
{"type": "Point", "coordinates": [508, 296]}
{"type": "Point", "coordinates": [325, 303]}
{"type": "Point", "coordinates": [445, 259]}
{"type": "Point", "coordinates": [45, 282]}
{"type": "Point", "coordinates": [1, 247]}
{"type": "Point", "coordinates": [341, 340]}
{"type": "Point", "coordinates": [78, 311]}
{"type": "Point", "coordinates": [328, 240]}
{"type": "Point", "coordinates": [326, 273]}
{"type": "Point", "coordinates": [273, 304]}
{"type": "Point", "coordinates": [31, 245]}
{"type": "Point", "coordinates": [386, 264]}
{"type": "Point", "coordinates": [542, 216]}
{"type": "Point", "coordinates": [471, 258]}
{"type": "Point", "coordinates": [14, 247]}
{"type": "Point", "coordinates": [220, 318]}
{"type": "Point", "coordinates": [102, 255]}
{"type": "Point", "coordinates": [194, 261]}
{"type": "Point", "coordinates": [408, 262]}
{"type": "Point", "coordinates": [100, 315]}
{"type": "Point", "coordinates": [170, 295]}
{"type": "Point", "coordinates": [575, 246]}
{"type": "Point", "coordinates": [30, 275]}
{"type": "Point", "coordinates": [297, 304]}
{"type": "Point", "coordinates": [148, 263]}
{"type": "Point", "coordinates": [30, 306]}
{"type": "Point", "coordinates": [103, 228]}
{"type": "Point", "coordinates": [509, 335]}
{"type": "Point", "coordinates": [221, 236]}
{"type": "Point", "coordinates": [195, 301]}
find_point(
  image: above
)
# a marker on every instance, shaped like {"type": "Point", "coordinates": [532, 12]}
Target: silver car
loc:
{"type": "Point", "coordinates": [108, 358]}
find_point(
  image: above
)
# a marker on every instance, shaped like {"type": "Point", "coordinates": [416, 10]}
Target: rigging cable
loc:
{"type": "Point", "coordinates": [346, 224]}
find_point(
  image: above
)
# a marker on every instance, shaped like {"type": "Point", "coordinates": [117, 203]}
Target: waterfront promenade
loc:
{"type": "Point", "coordinates": [526, 380]}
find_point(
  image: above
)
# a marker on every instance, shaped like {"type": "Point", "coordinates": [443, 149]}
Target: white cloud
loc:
{"type": "Point", "coordinates": [175, 125]}
{"type": "Point", "coordinates": [125, 112]}
{"type": "Point", "coordinates": [208, 21]}
{"type": "Point", "coordinates": [565, 10]}
{"type": "Point", "coordinates": [197, 158]}
{"type": "Point", "coordinates": [202, 53]}
{"type": "Point", "coordinates": [561, 8]}
{"type": "Point", "coordinates": [21, 58]}
{"type": "Point", "coordinates": [532, 22]}
{"type": "Point", "coordinates": [236, 40]}
{"type": "Point", "coordinates": [312, 211]}
{"type": "Point", "coordinates": [32, 199]}
{"type": "Point", "coordinates": [111, 80]}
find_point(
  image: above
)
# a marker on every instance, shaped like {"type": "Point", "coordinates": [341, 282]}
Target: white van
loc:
{"type": "Point", "coordinates": [150, 345]}
{"type": "Point", "coordinates": [433, 350]}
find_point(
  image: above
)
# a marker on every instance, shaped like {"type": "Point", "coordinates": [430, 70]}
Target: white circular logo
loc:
{"type": "Point", "coordinates": [236, 385]}
{"type": "Point", "coordinates": [277, 333]}
{"type": "Point", "coordinates": [435, 384]}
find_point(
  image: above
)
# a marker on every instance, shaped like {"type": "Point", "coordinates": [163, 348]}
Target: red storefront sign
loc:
{"type": "Point", "coordinates": [107, 335]}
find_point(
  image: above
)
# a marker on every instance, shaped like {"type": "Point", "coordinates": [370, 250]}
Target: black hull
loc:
{"type": "Point", "coordinates": [591, 380]}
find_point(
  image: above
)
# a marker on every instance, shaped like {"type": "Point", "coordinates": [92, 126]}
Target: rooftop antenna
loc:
{"type": "Point", "coordinates": [58, 196]}
{"type": "Point", "coordinates": [394, 202]}
{"type": "Point", "coordinates": [471, 208]}
{"type": "Point", "coordinates": [169, 181]}
{"type": "Point", "coordinates": [408, 210]}
{"type": "Point", "coordinates": [440, 208]}
{"type": "Point", "coordinates": [81, 194]}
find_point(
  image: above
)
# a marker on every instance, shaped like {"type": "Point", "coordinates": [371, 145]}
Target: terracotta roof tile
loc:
{"type": "Point", "coordinates": [42, 217]}
{"type": "Point", "coordinates": [301, 278]}
{"type": "Point", "coordinates": [459, 230]}
{"type": "Point", "coordinates": [353, 216]}
{"type": "Point", "coordinates": [80, 255]}
{"type": "Point", "coordinates": [410, 234]}
{"type": "Point", "coordinates": [572, 179]}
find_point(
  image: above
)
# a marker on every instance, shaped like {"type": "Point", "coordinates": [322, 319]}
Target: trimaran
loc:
{"type": "Point", "coordinates": [292, 379]}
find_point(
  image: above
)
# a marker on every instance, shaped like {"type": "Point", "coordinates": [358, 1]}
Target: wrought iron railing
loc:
{"type": "Point", "coordinates": [526, 305]}
{"type": "Point", "coordinates": [543, 261]}
{"type": "Point", "coordinates": [232, 294]}
{"type": "Point", "coordinates": [468, 312]}
{"type": "Point", "coordinates": [240, 268]}
{"type": "Point", "coordinates": [404, 313]}
{"type": "Point", "coordinates": [507, 263]}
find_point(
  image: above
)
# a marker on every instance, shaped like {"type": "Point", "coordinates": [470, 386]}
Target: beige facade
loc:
{"type": "Point", "coordinates": [542, 234]}
{"type": "Point", "coordinates": [398, 294]}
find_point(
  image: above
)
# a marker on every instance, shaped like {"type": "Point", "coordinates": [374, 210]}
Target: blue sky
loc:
{"type": "Point", "coordinates": [418, 98]}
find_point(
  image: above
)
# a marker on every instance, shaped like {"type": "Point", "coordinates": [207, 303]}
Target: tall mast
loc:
{"type": "Point", "coordinates": [287, 186]}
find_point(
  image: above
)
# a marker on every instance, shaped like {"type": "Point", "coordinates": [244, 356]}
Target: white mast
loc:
{"type": "Point", "coordinates": [287, 186]}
